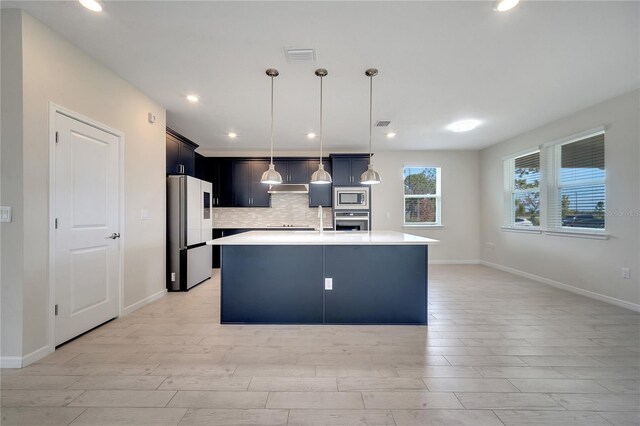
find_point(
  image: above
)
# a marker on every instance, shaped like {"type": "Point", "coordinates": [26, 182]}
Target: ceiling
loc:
{"type": "Point", "coordinates": [439, 62]}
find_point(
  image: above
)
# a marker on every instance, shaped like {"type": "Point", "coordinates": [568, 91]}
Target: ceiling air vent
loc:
{"type": "Point", "coordinates": [300, 56]}
{"type": "Point", "coordinates": [382, 123]}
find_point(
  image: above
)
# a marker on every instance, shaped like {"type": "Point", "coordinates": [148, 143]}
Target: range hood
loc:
{"type": "Point", "coordinates": [288, 188]}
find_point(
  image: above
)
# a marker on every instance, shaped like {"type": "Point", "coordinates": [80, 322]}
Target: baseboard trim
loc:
{"type": "Point", "coordinates": [454, 262]}
{"type": "Point", "coordinates": [135, 306]}
{"type": "Point", "coordinates": [590, 294]}
{"type": "Point", "coordinates": [36, 355]}
{"type": "Point", "coordinates": [10, 362]}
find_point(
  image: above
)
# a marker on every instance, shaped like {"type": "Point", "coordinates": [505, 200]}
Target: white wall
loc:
{"type": "Point", "coordinates": [11, 247]}
{"type": "Point", "coordinates": [459, 234]}
{"type": "Point", "coordinates": [586, 264]}
{"type": "Point", "coordinates": [56, 71]}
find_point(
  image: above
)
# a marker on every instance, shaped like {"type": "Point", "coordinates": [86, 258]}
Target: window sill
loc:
{"type": "Point", "coordinates": [578, 234]}
{"type": "Point", "coordinates": [522, 230]}
{"type": "Point", "coordinates": [434, 226]}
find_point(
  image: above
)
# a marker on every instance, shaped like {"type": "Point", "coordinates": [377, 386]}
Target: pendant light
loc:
{"type": "Point", "coordinates": [370, 177]}
{"type": "Point", "coordinates": [321, 176]}
{"type": "Point", "coordinates": [271, 176]}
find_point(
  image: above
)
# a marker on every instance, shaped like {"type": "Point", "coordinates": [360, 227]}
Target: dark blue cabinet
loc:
{"type": "Point", "coordinates": [376, 284]}
{"type": "Point", "coordinates": [218, 171]}
{"type": "Point", "coordinates": [285, 284]}
{"type": "Point", "coordinates": [242, 171]}
{"type": "Point", "coordinates": [263, 293]}
{"type": "Point", "coordinates": [180, 154]}
{"type": "Point", "coordinates": [293, 171]}
{"type": "Point", "coordinates": [348, 168]}
{"type": "Point", "coordinates": [248, 191]}
{"type": "Point", "coordinates": [320, 195]}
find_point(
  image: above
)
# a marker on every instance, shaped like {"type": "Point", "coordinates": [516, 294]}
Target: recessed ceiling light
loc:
{"type": "Point", "coordinates": [232, 135]}
{"type": "Point", "coordinates": [311, 135]}
{"type": "Point", "coordinates": [92, 5]}
{"type": "Point", "coordinates": [504, 5]}
{"type": "Point", "coordinates": [193, 98]}
{"type": "Point", "coordinates": [463, 125]}
{"type": "Point", "coordinates": [391, 135]}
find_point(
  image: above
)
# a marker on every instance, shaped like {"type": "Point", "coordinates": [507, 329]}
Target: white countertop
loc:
{"type": "Point", "coordinates": [283, 238]}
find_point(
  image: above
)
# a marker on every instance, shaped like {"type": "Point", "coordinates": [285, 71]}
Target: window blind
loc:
{"type": "Point", "coordinates": [522, 196]}
{"type": "Point", "coordinates": [577, 195]}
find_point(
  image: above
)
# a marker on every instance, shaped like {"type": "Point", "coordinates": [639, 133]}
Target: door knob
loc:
{"type": "Point", "coordinates": [113, 236]}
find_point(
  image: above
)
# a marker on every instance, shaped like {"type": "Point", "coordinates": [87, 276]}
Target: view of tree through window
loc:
{"type": "Point", "coordinates": [421, 195]}
{"type": "Point", "coordinates": [526, 190]}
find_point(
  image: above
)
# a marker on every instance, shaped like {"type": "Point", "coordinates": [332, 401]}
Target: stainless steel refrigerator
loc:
{"type": "Point", "coordinates": [188, 229]}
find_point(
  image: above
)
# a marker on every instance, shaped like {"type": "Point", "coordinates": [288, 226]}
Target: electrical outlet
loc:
{"type": "Point", "coordinates": [626, 273]}
{"type": "Point", "coordinates": [173, 276]}
{"type": "Point", "coordinates": [328, 283]}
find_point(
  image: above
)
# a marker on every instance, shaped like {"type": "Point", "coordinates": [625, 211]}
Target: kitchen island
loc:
{"type": "Point", "coordinates": [311, 277]}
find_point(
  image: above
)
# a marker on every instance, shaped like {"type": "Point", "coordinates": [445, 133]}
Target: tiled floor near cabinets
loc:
{"type": "Point", "coordinates": [499, 349]}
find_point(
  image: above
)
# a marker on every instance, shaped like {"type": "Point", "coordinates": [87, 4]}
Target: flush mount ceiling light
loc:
{"type": "Point", "coordinates": [92, 5]}
{"type": "Point", "coordinates": [463, 125]}
{"type": "Point", "coordinates": [504, 5]}
{"type": "Point", "coordinates": [271, 176]}
{"type": "Point", "coordinates": [321, 176]}
{"type": "Point", "coordinates": [232, 135]}
{"type": "Point", "coordinates": [311, 135]}
{"type": "Point", "coordinates": [391, 135]}
{"type": "Point", "coordinates": [370, 177]}
{"type": "Point", "coordinates": [193, 98]}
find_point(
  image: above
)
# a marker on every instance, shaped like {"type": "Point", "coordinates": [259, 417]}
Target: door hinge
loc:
{"type": "Point", "coordinates": [56, 223]}
{"type": "Point", "coordinates": [56, 309]}
{"type": "Point", "coordinates": [56, 137]}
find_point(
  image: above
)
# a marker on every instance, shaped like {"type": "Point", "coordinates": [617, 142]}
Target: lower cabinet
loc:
{"type": "Point", "coordinates": [219, 233]}
{"type": "Point", "coordinates": [285, 284]}
{"type": "Point", "coordinates": [264, 294]}
{"type": "Point", "coordinates": [376, 284]}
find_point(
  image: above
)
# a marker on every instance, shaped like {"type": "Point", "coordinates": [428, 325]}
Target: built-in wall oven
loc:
{"type": "Point", "coordinates": [351, 221]}
{"type": "Point", "coordinates": [350, 198]}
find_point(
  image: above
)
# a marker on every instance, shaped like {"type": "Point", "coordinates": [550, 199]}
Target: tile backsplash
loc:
{"type": "Point", "coordinates": [289, 209]}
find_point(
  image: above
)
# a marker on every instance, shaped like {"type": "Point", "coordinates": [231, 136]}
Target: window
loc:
{"type": "Point", "coordinates": [422, 196]}
{"type": "Point", "coordinates": [577, 185]}
{"type": "Point", "coordinates": [522, 190]}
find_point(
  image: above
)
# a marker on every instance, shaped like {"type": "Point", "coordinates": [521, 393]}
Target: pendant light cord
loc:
{"type": "Point", "coordinates": [370, 115]}
{"type": "Point", "coordinates": [271, 120]}
{"type": "Point", "coordinates": [321, 124]}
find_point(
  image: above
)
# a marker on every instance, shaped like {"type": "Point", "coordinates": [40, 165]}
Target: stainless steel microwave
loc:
{"type": "Point", "coordinates": [350, 198]}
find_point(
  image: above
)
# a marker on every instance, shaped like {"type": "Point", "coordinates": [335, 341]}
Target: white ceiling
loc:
{"type": "Point", "coordinates": [438, 61]}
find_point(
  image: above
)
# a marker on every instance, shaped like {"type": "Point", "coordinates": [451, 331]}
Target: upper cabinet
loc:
{"type": "Point", "coordinates": [181, 154]}
{"type": "Point", "coordinates": [293, 171]}
{"type": "Point", "coordinates": [248, 191]}
{"type": "Point", "coordinates": [218, 171]}
{"type": "Point", "coordinates": [348, 168]}
{"type": "Point", "coordinates": [320, 194]}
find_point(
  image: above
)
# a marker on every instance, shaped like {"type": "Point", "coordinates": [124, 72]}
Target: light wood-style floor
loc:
{"type": "Point", "coordinates": [499, 349]}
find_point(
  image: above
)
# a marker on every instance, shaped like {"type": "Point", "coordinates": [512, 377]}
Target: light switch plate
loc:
{"type": "Point", "coordinates": [144, 214]}
{"type": "Point", "coordinates": [328, 283]}
{"type": "Point", "coordinates": [5, 214]}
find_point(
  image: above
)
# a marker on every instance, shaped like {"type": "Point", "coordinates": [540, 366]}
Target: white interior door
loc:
{"type": "Point", "coordinates": [86, 238]}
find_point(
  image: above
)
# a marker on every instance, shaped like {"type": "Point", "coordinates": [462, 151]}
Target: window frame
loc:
{"type": "Point", "coordinates": [555, 186]}
{"type": "Point", "coordinates": [510, 191]}
{"type": "Point", "coordinates": [437, 196]}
